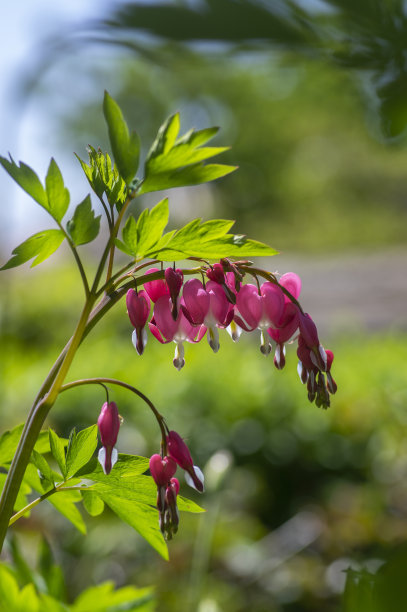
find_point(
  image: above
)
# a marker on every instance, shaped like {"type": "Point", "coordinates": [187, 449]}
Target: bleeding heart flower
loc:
{"type": "Point", "coordinates": [109, 425]}
{"type": "Point", "coordinates": [138, 309]}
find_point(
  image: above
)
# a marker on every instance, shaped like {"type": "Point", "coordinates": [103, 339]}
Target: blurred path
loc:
{"type": "Point", "coordinates": [355, 291]}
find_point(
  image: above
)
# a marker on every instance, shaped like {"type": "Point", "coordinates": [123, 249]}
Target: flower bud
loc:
{"type": "Point", "coordinates": [179, 451]}
{"type": "Point", "coordinates": [216, 274]}
{"type": "Point", "coordinates": [174, 279]}
{"type": "Point", "coordinates": [109, 425]}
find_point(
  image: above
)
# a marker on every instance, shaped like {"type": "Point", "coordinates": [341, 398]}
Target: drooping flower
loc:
{"type": "Point", "coordinates": [207, 306]}
{"type": "Point", "coordinates": [138, 309]}
{"type": "Point", "coordinates": [309, 334]}
{"type": "Point", "coordinates": [289, 322]}
{"type": "Point", "coordinates": [260, 310]}
{"type": "Point", "coordinates": [162, 325]}
{"type": "Point", "coordinates": [310, 373]}
{"type": "Point", "coordinates": [109, 425]}
{"type": "Point", "coordinates": [179, 451]}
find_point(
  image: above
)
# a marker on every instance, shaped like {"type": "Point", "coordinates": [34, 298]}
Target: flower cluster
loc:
{"type": "Point", "coordinates": [162, 470]}
{"type": "Point", "coordinates": [186, 311]}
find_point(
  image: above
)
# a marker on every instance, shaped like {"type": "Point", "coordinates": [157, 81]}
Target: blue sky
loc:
{"type": "Point", "coordinates": [24, 26]}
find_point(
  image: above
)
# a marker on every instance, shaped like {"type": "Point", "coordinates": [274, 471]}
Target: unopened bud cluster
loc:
{"type": "Point", "coordinates": [186, 311]}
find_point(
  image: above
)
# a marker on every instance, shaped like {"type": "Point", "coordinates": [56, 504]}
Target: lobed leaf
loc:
{"type": "Point", "coordinates": [57, 447]}
{"type": "Point", "coordinates": [93, 504]}
{"type": "Point", "coordinates": [125, 146]}
{"type": "Point", "coordinates": [27, 179]}
{"type": "Point", "coordinates": [208, 240]}
{"type": "Point", "coordinates": [141, 517]}
{"type": "Point", "coordinates": [42, 465]}
{"type": "Point", "coordinates": [64, 502]}
{"type": "Point", "coordinates": [178, 163]}
{"type": "Point", "coordinates": [8, 444]}
{"type": "Point", "coordinates": [57, 193]}
{"type": "Point", "coordinates": [140, 236]}
{"type": "Point", "coordinates": [84, 225]}
{"type": "Point", "coordinates": [40, 246]}
{"type": "Point", "coordinates": [81, 447]}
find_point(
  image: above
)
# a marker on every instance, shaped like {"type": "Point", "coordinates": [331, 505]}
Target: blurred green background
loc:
{"type": "Point", "coordinates": [295, 495]}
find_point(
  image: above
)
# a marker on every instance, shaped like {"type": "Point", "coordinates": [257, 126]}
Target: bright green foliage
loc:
{"type": "Point", "coordinates": [58, 450]}
{"type": "Point", "coordinates": [100, 598]}
{"type": "Point", "coordinates": [84, 225]}
{"type": "Point", "coordinates": [140, 236]}
{"type": "Point", "coordinates": [92, 503]}
{"type": "Point", "coordinates": [104, 177]}
{"type": "Point", "coordinates": [129, 493]}
{"type": "Point", "coordinates": [57, 193]}
{"type": "Point", "coordinates": [210, 240]}
{"type": "Point", "coordinates": [65, 502]}
{"type": "Point", "coordinates": [177, 163]}
{"type": "Point", "coordinates": [27, 179]}
{"type": "Point", "coordinates": [81, 447]}
{"type": "Point", "coordinates": [125, 146]}
{"type": "Point", "coordinates": [42, 466]}
{"type": "Point", "coordinates": [40, 246]}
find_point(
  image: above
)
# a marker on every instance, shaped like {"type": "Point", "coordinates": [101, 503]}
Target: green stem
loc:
{"type": "Point", "coordinates": [77, 259]}
{"type": "Point", "coordinates": [36, 501]}
{"type": "Point", "coordinates": [38, 413]}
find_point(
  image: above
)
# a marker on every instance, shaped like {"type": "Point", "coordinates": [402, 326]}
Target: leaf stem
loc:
{"type": "Point", "coordinates": [36, 501]}
{"type": "Point", "coordinates": [77, 259]}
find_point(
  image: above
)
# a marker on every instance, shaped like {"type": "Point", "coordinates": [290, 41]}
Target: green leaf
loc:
{"type": "Point", "coordinates": [125, 146]}
{"type": "Point", "coordinates": [8, 444]}
{"type": "Point", "coordinates": [141, 236]}
{"type": "Point", "coordinates": [64, 502]}
{"type": "Point", "coordinates": [127, 466]}
{"type": "Point", "coordinates": [23, 491]}
{"type": "Point", "coordinates": [40, 246]}
{"type": "Point", "coordinates": [141, 517]}
{"type": "Point", "coordinates": [8, 589]}
{"type": "Point", "coordinates": [57, 447]}
{"type": "Point", "coordinates": [177, 163]}
{"type": "Point", "coordinates": [92, 503]}
{"type": "Point", "coordinates": [58, 195]}
{"type": "Point", "coordinates": [80, 449]}
{"type": "Point", "coordinates": [84, 226]}
{"type": "Point", "coordinates": [103, 598]}
{"type": "Point", "coordinates": [187, 505]}
{"type": "Point", "coordinates": [165, 140]}
{"type": "Point", "coordinates": [42, 465]}
{"type": "Point", "coordinates": [208, 240]}
{"type": "Point", "coordinates": [28, 600]}
{"type": "Point", "coordinates": [27, 179]}
{"type": "Point", "coordinates": [104, 177]}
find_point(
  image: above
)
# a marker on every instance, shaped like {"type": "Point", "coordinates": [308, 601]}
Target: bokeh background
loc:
{"type": "Point", "coordinates": [312, 98]}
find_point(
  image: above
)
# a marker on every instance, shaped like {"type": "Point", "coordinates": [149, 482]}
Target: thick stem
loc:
{"type": "Point", "coordinates": [35, 420]}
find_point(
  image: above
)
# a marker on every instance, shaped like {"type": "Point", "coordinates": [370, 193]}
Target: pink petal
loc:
{"type": "Point", "coordinates": [156, 288]}
{"type": "Point", "coordinates": [292, 283]}
{"type": "Point", "coordinates": [196, 300]}
{"type": "Point", "coordinates": [249, 304]}
{"type": "Point", "coordinates": [273, 302]}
